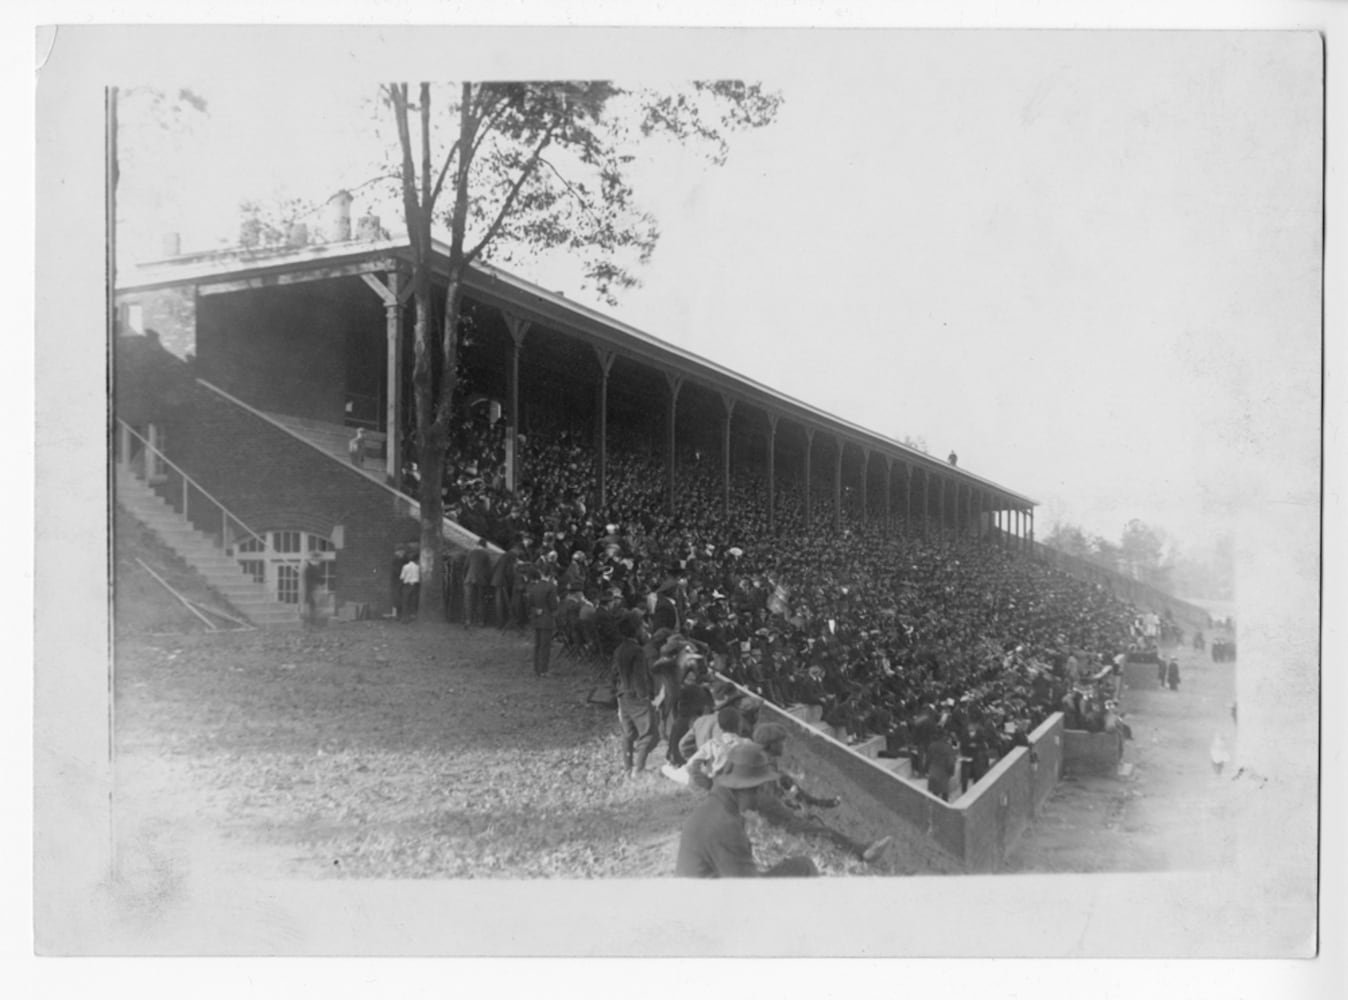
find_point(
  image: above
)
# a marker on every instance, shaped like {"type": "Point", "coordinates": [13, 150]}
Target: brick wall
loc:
{"type": "Point", "coordinates": [170, 312]}
{"type": "Point", "coordinates": [285, 350]}
{"type": "Point", "coordinates": [272, 480]}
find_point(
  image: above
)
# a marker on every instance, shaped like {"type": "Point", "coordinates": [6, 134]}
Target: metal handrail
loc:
{"type": "Point", "coordinates": [151, 449]}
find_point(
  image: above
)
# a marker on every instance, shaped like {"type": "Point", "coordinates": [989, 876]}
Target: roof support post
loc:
{"type": "Point", "coordinates": [728, 403]}
{"type": "Point", "coordinates": [519, 329]}
{"type": "Point", "coordinates": [837, 485]}
{"type": "Point", "coordinates": [926, 501]}
{"type": "Point", "coordinates": [865, 479]}
{"type": "Point", "coordinates": [772, 473]}
{"type": "Point", "coordinates": [393, 372]}
{"type": "Point", "coordinates": [605, 359]}
{"type": "Point", "coordinates": [809, 447]}
{"type": "Point", "coordinates": [942, 524]}
{"type": "Point", "coordinates": [675, 383]}
{"type": "Point", "coordinates": [907, 498]}
{"type": "Point", "coordinates": [889, 509]}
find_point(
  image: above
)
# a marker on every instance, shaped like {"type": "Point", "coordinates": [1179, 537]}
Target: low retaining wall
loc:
{"type": "Point", "coordinates": [972, 834]}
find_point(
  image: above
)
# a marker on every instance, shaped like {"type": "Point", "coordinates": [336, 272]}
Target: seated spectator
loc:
{"type": "Point", "coordinates": [714, 843]}
{"type": "Point", "coordinates": [783, 803]}
{"type": "Point", "coordinates": [708, 759]}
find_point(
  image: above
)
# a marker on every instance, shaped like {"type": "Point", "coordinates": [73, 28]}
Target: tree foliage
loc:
{"type": "Point", "coordinates": [1143, 551]}
{"type": "Point", "coordinates": [1069, 538]}
{"type": "Point", "coordinates": [493, 170]}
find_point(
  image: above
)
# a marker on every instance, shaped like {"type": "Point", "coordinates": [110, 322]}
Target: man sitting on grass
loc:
{"type": "Point", "coordinates": [714, 843]}
{"type": "Point", "coordinates": [782, 803]}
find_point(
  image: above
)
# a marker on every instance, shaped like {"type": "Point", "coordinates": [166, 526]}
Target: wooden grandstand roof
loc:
{"type": "Point", "coordinates": [239, 269]}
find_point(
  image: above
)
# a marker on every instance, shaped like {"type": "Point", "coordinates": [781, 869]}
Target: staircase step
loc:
{"type": "Point", "coordinates": [222, 573]}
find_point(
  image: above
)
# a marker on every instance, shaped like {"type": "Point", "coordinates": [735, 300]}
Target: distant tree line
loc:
{"type": "Point", "coordinates": [1146, 553]}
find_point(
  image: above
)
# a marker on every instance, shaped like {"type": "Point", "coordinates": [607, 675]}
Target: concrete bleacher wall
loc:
{"type": "Point", "coordinates": [1092, 753]}
{"type": "Point", "coordinates": [971, 834]}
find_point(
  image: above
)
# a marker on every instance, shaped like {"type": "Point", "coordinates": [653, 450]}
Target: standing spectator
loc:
{"type": "Point", "coordinates": [456, 566]}
{"type": "Point", "coordinates": [396, 580]}
{"type": "Point", "coordinates": [411, 583]}
{"type": "Point", "coordinates": [476, 579]}
{"type": "Point", "coordinates": [714, 843]}
{"type": "Point", "coordinates": [502, 580]}
{"type": "Point", "coordinates": [666, 613]}
{"type": "Point", "coordinates": [632, 683]}
{"type": "Point", "coordinates": [355, 448]}
{"type": "Point", "coordinates": [941, 761]}
{"type": "Point", "coordinates": [1172, 675]}
{"type": "Point", "coordinates": [543, 613]}
{"type": "Point", "coordinates": [312, 576]}
{"type": "Point", "coordinates": [519, 589]}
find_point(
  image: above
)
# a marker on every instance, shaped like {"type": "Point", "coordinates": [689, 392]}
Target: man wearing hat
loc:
{"type": "Point", "coordinates": [714, 843]}
{"type": "Point", "coordinates": [780, 803]}
{"type": "Point", "coordinates": [632, 684]}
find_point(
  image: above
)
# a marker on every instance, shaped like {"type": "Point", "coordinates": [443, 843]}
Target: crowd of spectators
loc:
{"type": "Point", "coordinates": [919, 639]}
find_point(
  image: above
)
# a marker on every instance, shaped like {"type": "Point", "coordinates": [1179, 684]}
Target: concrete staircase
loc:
{"type": "Point", "coordinates": [221, 572]}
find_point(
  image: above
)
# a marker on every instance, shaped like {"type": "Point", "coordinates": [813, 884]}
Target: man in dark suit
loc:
{"type": "Point", "coordinates": [542, 597]}
{"type": "Point", "coordinates": [502, 580]}
{"type": "Point", "coordinates": [476, 580]}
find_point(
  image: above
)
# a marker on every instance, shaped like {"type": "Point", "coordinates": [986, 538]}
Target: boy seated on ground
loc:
{"type": "Point", "coordinates": [708, 760]}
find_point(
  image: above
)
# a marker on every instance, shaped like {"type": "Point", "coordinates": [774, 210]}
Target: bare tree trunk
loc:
{"type": "Point", "coordinates": [431, 459]}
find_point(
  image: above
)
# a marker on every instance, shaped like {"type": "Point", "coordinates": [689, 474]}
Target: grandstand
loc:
{"type": "Point", "coordinates": [874, 594]}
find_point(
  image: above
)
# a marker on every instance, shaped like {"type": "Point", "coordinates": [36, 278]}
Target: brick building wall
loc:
{"type": "Point", "coordinates": [283, 350]}
{"type": "Point", "coordinates": [273, 481]}
{"type": "Point", "coordinates": [170, 312]}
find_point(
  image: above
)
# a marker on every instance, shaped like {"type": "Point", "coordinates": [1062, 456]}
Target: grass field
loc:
{"type": "Point", "coordinates": [377, 750]}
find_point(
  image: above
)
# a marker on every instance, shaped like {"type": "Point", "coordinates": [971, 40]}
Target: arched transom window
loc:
{"type": "Point", "coordinates": [277, 562]}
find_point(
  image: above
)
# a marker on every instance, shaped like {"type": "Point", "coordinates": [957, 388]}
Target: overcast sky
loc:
{"type": "Point", "coordinates": [1075, 258]}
